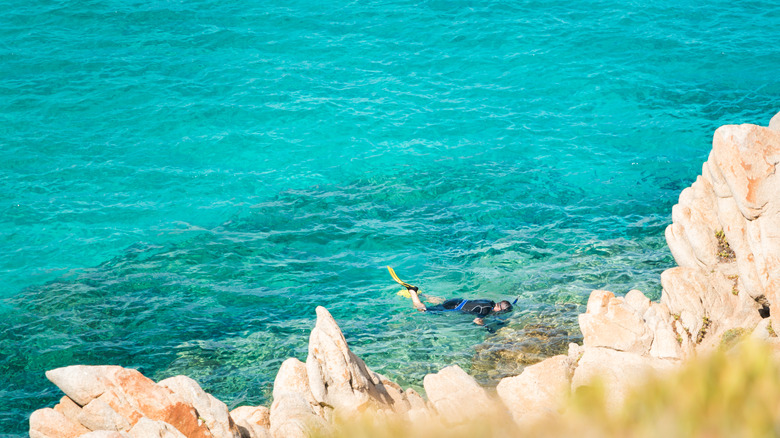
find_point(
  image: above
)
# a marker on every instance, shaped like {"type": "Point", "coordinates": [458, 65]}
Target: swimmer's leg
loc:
{"type": "Point", "coordinates": [416, 300]}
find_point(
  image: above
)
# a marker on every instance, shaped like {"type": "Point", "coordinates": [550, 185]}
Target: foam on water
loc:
{"type": "Point", "coordinates": [183, 182]}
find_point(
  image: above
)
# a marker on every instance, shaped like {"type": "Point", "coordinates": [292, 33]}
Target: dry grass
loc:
{"type": "Point", "coordinates": [730, 394]}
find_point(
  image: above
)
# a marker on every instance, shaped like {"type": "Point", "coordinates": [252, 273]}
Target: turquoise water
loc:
{"type": "Point", "coordinates": [183, 182]}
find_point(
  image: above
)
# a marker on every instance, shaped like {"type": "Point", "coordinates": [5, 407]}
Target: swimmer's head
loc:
{"type": "Point", "coordinates": [502, 307]}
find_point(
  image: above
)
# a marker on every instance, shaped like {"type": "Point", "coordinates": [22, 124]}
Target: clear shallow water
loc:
{"type": "Point", "coordinates": [183, 183]}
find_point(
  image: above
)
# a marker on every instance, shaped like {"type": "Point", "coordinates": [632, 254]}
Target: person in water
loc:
{"type": "Point", "coordinates": [480, 308]}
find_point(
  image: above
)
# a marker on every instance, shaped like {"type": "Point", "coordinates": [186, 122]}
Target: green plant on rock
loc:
{"type": "Point", "coordinates": [725, 253]}
{"type": "Point", "coordinates": [705, 325]}
{"type": "Point", "coordinates": [731, 337]}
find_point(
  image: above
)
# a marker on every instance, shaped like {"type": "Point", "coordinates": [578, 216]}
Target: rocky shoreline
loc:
{"type": "Point", "coordinates": [725, 239]}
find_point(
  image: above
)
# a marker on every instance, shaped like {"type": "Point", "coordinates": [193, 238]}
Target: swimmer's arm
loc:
{"type": "Point", "coordinates": [479, 321]}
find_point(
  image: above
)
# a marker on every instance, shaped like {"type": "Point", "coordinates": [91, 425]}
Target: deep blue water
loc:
{"type": "Point", "coordinates": [183, 182]}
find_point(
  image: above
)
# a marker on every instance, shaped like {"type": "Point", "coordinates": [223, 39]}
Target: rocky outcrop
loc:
{"type": "Point", "coordinates": [724, 236]}
{"type": "Point", "coordinates": [115, 399]}
{"type": "Point", "coordinates": [340, 380]}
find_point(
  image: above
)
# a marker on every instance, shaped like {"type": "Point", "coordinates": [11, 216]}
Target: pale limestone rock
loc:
{"type": "Point", "coordinates": [48, 423]}
{"type": "Point", "coordinates": [130, 394]}
{"type": "Point", "coordinates": [418, 408]}
{"type": "Point", "coordinates": [294, 412]}
{"type": "Point", "coordinates": [98, 415]}
{"type": "Point", "coordinates": [252, 421]}
{"type": "Point", "coordinates": [761, 331]}
{"type": "Point", "coordinates": [746, 156]}
{"type": "Point", "coordinates": [456, 396]}
{"type": "Point", "coordinates": [147, 428]}
{"type": "Point", "coordinates": [539, 392]}
{"type": "Point", "coordinates": [740, 175]}
{"type": "Point", "coordinates": [638, 301]}
{"type": "Point", "coordinates": [659, 321]}
{"type": "Point", "coordinates": [398, 400]}
{"type": "Point", "coordinates": [212, 411]}
{"type": "Point", "coordinates": [618, 371]}
{"type": "Point", "coordinates": [574, 352]}
{"type": "Point", "coordinates": [610, 322]}
{"type": "Point", "coordinates": [342, 380]}
{"type": "Point", "coordinates": [106, 434]}
{"type": "Point", "coordinates": [774, 123]}
{"type": "Point", "coordinates": [83, 383]}
{"type": "Point", "coordinates": [68, 408]}
{"type": "Point", "coordinates": [705, 305]}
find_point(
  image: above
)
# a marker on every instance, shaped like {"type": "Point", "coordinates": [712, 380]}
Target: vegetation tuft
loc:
{"type": "Point", "coordinates": [725, 253]}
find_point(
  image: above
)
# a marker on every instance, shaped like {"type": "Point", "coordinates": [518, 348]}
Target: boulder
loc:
{"type": "Point", "coordinates": [539, 392]}
{"type": "Point", "coordinates": [49, 423]}
{"type": "Point", "coordinates": [338, 378]}
{"type": "Point", "coordinates": [612, 323]}
{"type": "Point", "coordinates": [774, 123]}
{"type": "Point", "coordinates": [294, 412]}
{"type": "Point", "coordinates": [98, 415]}
{"type": "Point", "coordinates": [252, 421]}
{"type": "Point", "coordinates": [418, 408]}
{"type": "Point", "coordinates": [212, 411]}
{"type": "Point", "coordinates": [83, 383]}
{"type": "Point", "coordinates": [665, 340]}
{"type": "Point", "coordinates": [106, 434]}
{"type": "Point", "coordinates": [456, 396]}
{"type": "Point", "coordinates": [118, 398]}
{"type": "Point", "coordinates": [617, 371]}
{"type": "Point", "coordinates": [146, 428]}
{"type": "Point", "coordinates": [68, 408]}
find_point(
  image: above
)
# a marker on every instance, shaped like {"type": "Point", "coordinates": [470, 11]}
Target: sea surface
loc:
{"type": "Point", "coordinates": [183, 182]}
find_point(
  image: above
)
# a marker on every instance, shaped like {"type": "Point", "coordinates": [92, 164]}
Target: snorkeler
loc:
{"type": "Point", "coordinates": [480, 308]}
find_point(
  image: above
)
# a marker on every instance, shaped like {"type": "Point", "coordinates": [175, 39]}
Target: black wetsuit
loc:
{"type": "Point", "coordinates": [480, 308]}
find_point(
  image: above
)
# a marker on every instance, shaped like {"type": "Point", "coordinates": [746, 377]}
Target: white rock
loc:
{"type": "Point", "coordinates": [129, 394]}
{"type": "Point", "coordinates": [456, 396]}
{"type": "Point", "coordinates": [147, 428]}
{"type": "Point", "coordinates": [618, 371]}
{"type": "Point", "coordinates": [106, 434]}
{"type": "Point", "coordinates": [539, 392]}
{"type": "Point", "coordinates": [48, 423]}
{"type": "Point", "coordinates": [340, 379]}
{"type": "Point", "coordinates": [294, 412]}
{"type": "Point", "coordinates": [610, 322]}
{"type": "Point", "coordinates": [774, 123]}
{"type": "Point", "coordinates": [212, 411]}
{"type": "Point", "coordinates": [98, 415]}
{"type": "Point", "coordinates": [252, 421]}
{"type": "Point", "coordinates": [83, 383]}
{"type": "Point", "coordinates": [68, 408]}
